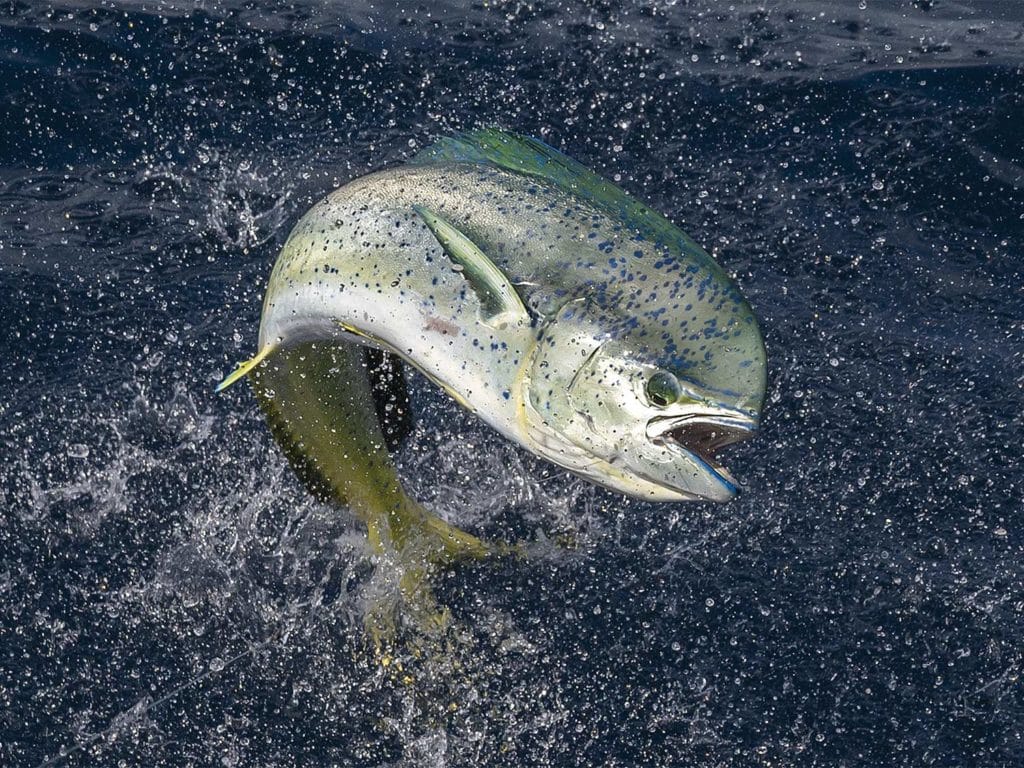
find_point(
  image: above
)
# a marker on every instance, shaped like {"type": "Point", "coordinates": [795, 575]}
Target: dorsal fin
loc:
{"type": "Point", "coordinates": [532, 157]}
{"type": "Point", "coordinates": [500, 303]}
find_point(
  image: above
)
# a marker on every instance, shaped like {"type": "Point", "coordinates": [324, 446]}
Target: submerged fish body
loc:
{"type": "Point", "coordinates": [571, 318]}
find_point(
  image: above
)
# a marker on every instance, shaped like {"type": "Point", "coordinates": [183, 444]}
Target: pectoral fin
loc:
{"type": "Point", "coordinates": [499, 301]}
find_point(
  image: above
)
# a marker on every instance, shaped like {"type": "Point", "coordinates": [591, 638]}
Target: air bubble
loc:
{"type": "Point", "coordinates": [78, 451]}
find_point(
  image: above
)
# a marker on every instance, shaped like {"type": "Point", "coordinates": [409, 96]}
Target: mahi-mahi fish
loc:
{"type": "Point", "coordinates": [570, 317]}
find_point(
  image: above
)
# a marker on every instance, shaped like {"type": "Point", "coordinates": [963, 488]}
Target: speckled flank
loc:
{"type": "Point", "coordinates": [364, 259]}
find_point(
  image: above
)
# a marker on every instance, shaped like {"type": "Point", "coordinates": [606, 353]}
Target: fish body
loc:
{"type": "Point", "coordinates": [568, 316]}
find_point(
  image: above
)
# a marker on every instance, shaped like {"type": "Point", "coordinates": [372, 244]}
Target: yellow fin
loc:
{"type": "Point", "coordinates": [244, 368]}
{"type": "Point", "coordinates": [349, 328]}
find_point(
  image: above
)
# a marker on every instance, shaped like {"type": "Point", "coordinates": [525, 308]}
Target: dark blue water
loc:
{"type": "Point", "coordinates": [170, 595]}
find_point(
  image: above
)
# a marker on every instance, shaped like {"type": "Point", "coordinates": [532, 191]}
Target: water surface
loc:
{"type": "Point", "coordinates": [169, 594]}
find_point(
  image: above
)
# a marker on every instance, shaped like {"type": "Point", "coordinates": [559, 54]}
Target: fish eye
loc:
{"type": "Point", "coordinates": [663, 389]}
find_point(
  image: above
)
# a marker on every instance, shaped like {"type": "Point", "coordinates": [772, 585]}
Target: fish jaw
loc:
{"type": "Point", "coordinates": [669, 460]}
{"type": "Point", "coordinates": [673, 458]}
{"type": "Point", "coordinates": [692, 440]}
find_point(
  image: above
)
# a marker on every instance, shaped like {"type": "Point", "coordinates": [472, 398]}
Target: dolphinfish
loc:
{"type": "Point", "coordinates": [573, 319]}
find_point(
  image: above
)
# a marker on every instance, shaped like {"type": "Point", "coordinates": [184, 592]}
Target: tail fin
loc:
{"type": "Point", "coordinates": [243, 369]}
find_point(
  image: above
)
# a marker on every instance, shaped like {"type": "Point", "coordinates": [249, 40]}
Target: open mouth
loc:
{"type": "Point", "coordinates": [702, 436]}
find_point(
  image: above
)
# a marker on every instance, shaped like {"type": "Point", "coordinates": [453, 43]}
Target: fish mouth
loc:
{"type": "Point", "coordinates": [701, 436]}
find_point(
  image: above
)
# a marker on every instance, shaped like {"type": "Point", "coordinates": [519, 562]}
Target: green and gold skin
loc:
{"type": "Point", "coordinates": [573, 319]}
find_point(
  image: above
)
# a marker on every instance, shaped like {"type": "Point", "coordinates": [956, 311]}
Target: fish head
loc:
{"type": "Point", "coordinates": [639, 411]}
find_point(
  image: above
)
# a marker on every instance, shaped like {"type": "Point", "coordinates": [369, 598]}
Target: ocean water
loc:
{"type": "Point", "coordinates": [171, 596]}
